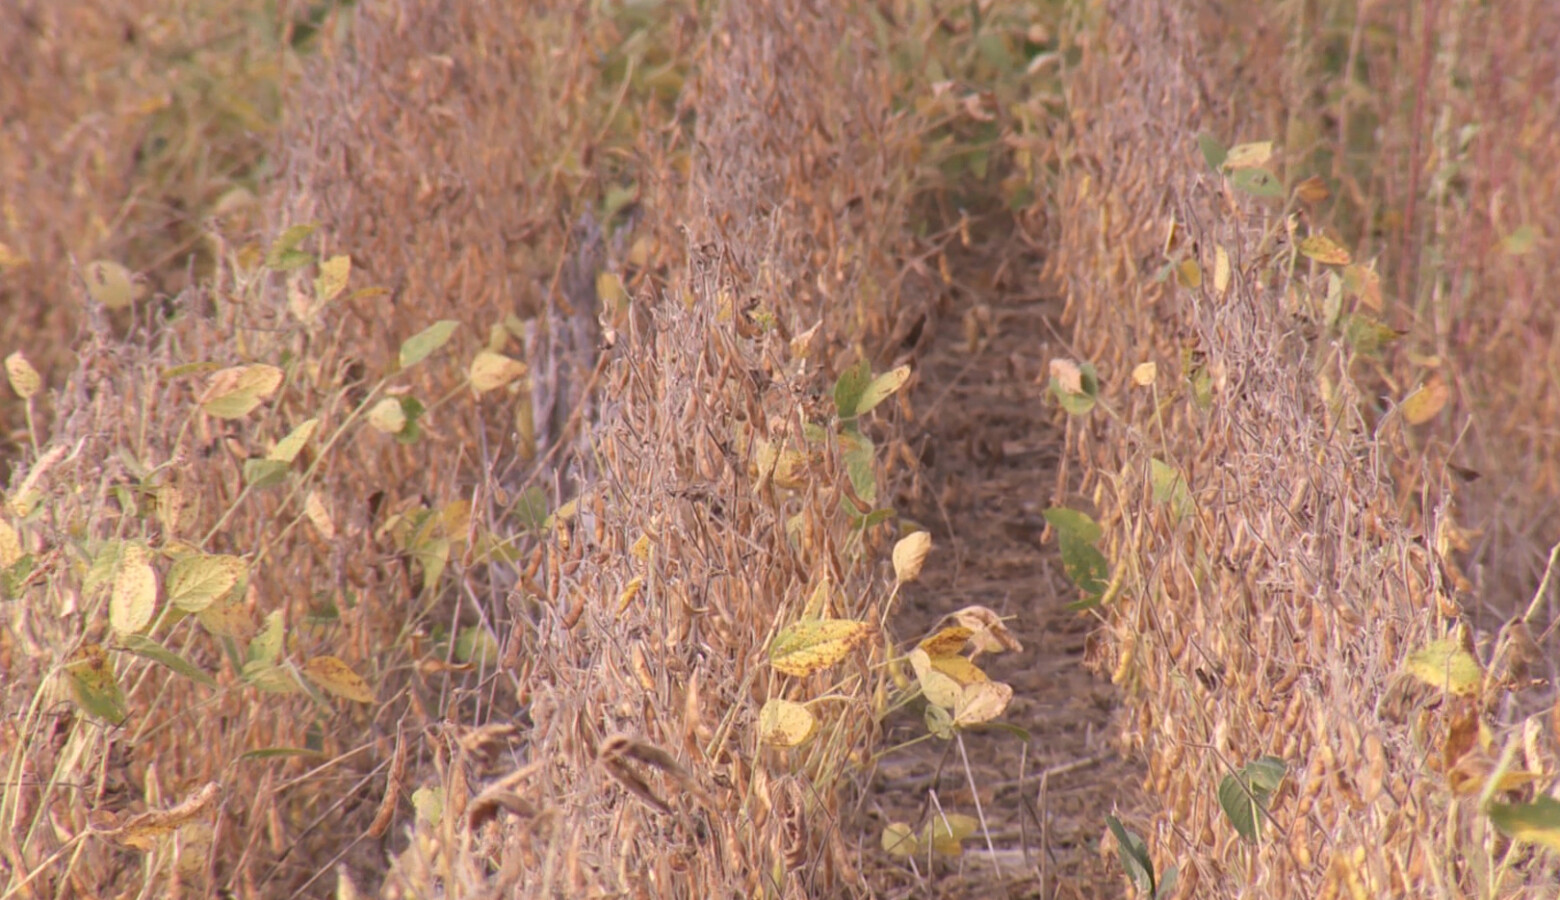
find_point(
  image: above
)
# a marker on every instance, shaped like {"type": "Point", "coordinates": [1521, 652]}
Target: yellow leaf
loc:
{"type": "Point", "coordinates": [610, 290]}
{"type": "Point", "coordinates": [337, 677]}
{"type": "Point", "coordinates": [947, 832]}
{"type": "Point", "coordinates": [195, 582]}
{"type": "Point", "coordinates": [1325, 250]}
{"type": "Point", "coordinates": [811, 645]}
{"type": "Point", "coordinates": [1312, 191]}
{"type": "Point", "coordinates": [959, 669]}
{"type": "Point", "coordinates": [10, 545]}
{"type": "Point", "coordinates": [1189, 274]}
{"type": "Point", "coordinates": [1365, 284]}
{"type": "Point", "coordinates": [900, 841]}
{"type": "Point", "coordinates": [630, 591]}
{"type": "Point", "coordinates": [981, 702]}
{"type": "Point", "coordinates": [25, 380]}
{"type": "Point", "coordinates": [881, 388]}
{"type": "Point", "coordinates": [233, 393]}
{"type": "Point", "coordinates": [93, 685]}
{"type": "Point", "coordinates": [134, 596]}
{"type": "Point", "coordinates": [334, 273]}
{"type": "Point", "coordinates": [1143, 374]}
{"type": "Point", "coordinates": [946, 641]}
{"type": "Point", "coordinates": [1425, 403]}
{"type": "Point", "coordinates": [288, 448]}
{"type": "Point", "coordinates": [490, 371]}
{"type": "Point", "coordinates": [784, 723]}
{"type": "Point", "coordinates": [314, 508]}
{"type": "Point", "coordinates": [1446, 665]}
{"type": "Point", "coordinates": [909, 554]}
{"type": "Point", "coordinates": [110, 284]}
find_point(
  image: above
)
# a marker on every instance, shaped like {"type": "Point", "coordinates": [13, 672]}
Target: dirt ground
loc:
{"type": "Point", "coordinates": [990, 451]}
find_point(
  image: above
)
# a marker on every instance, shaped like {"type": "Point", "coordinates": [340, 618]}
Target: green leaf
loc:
{"type": "Point", "coordinates": [279, 753]}
{"type": "Point", "coordinates": [1071, 521]}
{"type": "Point", "coordinates": [146, 648]}
{"type": "Point", "coordinates": [850, 387]}
{"type": "Point", "coordinates": [269, 677]}
{"type": "Point", "coordinates": [1244, 795]}
{"type": "Point", "coordinates": [531, 509]}
{"type": "Point", "coordinates": [860, 464]}
{"type": "Point", "coordinates": [284, 255]}
{"type": "Point", "coordinates": [1134, 857]}
{"type": "Point", "coordinates": [288, 448]}
{"type": "Point", "coordinates": [1213, 152]}
{"type": "Point", "coordinates": [94, 686]}
{"type": "Point", "coordinates": [267, 645]}
{"type": "Point", "coordinates": [1537, 822]}
{"type": "Point", "coordinates": [421, 345]}
{"type": "Point", "coordinates": [264, 473]}
{"type": "Point", "coordinates": [1170, 488]}
{"type": "Point", "coordinates": [1521, 241]}
{"type": "Point", "coordinates": [1085, 566]}
{"type": "Point", "coordinates": [476, 645]}
{"type": "Point", "coordinates": [1257, 182]}
{"type": "Point", "coordinates": [939, 721]}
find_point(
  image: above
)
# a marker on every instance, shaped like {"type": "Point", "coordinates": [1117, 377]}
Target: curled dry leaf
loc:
{"type": "Point", "coordinates": [946, 641]}
{"type": "Point", "coordinates": [1068, 376]}
{"type": "Point", "coordinates": [143, 831]}
{"type": "Point", "coordinates": [981, 702]}
{"type": "Point", "coordinates": [910, 554]}
{"type": "Point", "coordinates": [987, 633]}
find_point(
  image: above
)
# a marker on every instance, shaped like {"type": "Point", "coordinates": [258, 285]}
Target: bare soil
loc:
{"type": "Point", "coordinates": [990, 450]}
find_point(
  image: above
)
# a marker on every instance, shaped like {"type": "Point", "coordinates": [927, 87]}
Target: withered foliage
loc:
{"type": "Point", "coordinates": [1277, 618]}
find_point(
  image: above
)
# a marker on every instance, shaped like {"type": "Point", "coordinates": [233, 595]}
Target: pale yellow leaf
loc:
{"type": "Point", "coordinates": [10, 545]}
{"type": "Point", "coordinates": [1248, 156]}
{"type": "Point", "coordinates": [25, 380]}
{"type": "Point", "coordinates": [784, 723]}
{"type": "Point", "coordinates": [134, 595]}
{"type": "Point", "coordinates": [1143, 374]}
{"type": "Point", "coordinates": [909, 555]}
{"type": "Point", "coordinates": [490, 371]}
{"type": "Point", "coordinates": [319, 516]}
{"type": "Point", "coordinates": [197, 581]}
{"type": "Point", "coordinates": [1221, 269]}
{"type": "Point", "coordinates": [387, 416]}
{"type": "Point", "coordinates": [110, 284]}
{"type": "Point", "coordinates": [939, 688]}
